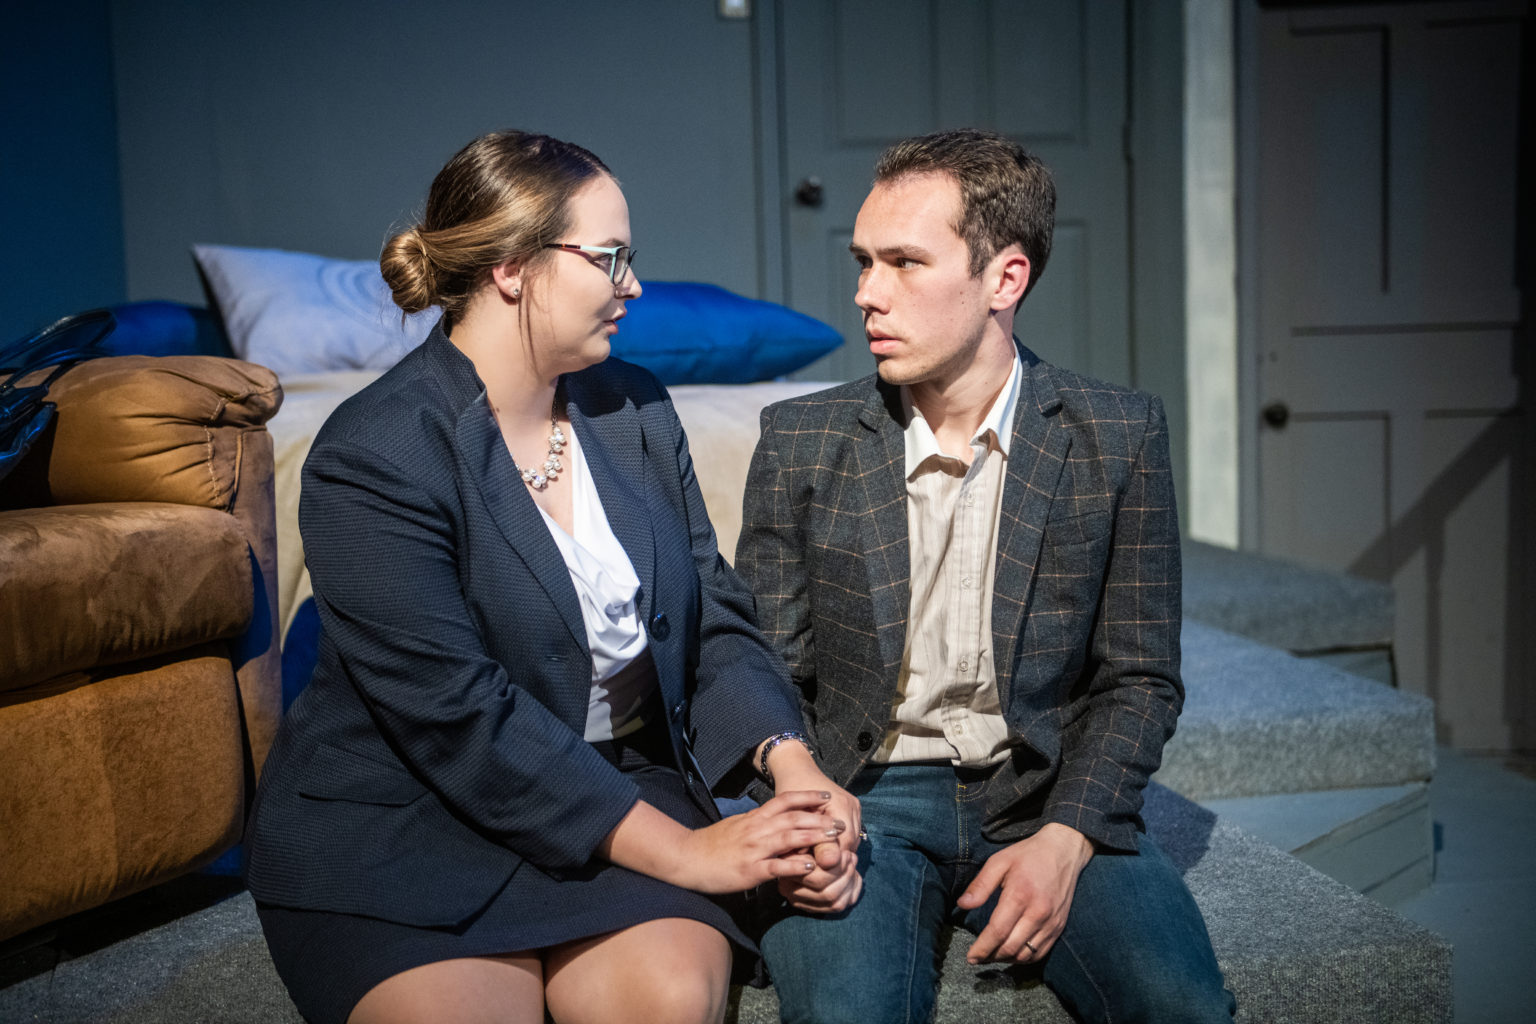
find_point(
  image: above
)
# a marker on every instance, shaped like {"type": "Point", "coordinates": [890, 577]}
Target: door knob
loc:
{"type": "Point", "coordinates": [1276, 414]}
{"type": "Point", "coordinates": [809, 192]}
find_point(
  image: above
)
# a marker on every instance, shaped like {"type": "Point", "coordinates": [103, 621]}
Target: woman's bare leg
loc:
{"type": "Point", "coordinates": [668, 971]}
{"type": "Point", "coordinates": [475, 990]}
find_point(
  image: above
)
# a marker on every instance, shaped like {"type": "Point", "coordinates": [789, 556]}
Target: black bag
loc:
{"type": "Point", "coordinates": [24, 411]}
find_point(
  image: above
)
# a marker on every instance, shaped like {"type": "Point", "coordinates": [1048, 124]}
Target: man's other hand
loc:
{"type": "Point", "coordinates": [1037, 877]}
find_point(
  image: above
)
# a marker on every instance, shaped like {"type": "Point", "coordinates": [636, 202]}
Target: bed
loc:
{"type": "Point", "coordinates": [327, 328]}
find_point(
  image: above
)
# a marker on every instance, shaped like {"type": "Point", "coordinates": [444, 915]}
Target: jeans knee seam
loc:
{"type": "Point", "coordinates": [916, 911]}
{"type": "Point", "coordinates": [1083, 966]}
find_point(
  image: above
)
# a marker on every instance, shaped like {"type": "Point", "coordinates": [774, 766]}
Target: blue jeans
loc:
{"type": "Point", "coordinates": [1135, 947]}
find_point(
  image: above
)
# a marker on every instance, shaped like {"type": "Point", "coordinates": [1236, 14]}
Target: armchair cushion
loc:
{"type": "Point", "coordinates": [46, 553]}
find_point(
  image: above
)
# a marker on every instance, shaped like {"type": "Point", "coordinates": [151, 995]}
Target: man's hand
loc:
{"type": "Point", "coordinates": [1038, 877]}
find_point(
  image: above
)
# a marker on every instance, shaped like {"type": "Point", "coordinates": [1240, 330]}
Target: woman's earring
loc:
{"type": "Point", "coordinates": [517, 291]}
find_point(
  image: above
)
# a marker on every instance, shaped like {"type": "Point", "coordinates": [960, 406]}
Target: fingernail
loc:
{"type": "Point", "coordinates": [831, 833]}
{"type": "Point", "coordinates": [825, 795]}
{"type": "Point", "coordinates": [838, 827]}
{"type": "Point", "coordinates": [809, 866]}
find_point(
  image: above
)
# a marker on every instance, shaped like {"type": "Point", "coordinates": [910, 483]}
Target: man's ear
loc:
{"type": "Point", "coordinates": [508, 278]}
{"type": "Point", "coordinates": [1012, 270]}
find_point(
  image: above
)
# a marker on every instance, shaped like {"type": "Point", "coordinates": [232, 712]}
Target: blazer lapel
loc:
{"type": "Point", "coordinates": [881, 472]}
{"type": "Point", "coordinates": [609, 435]}
{"type": "Point", "coordinates": [1036, 457]}
{"type": "Point", "coordinates": [501, 486]}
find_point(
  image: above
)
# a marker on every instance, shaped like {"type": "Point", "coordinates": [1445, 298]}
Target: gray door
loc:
{"type": "Point", "coordinates": [861, 74]}
{"type": "Point", "coordinates": [1386, 312]}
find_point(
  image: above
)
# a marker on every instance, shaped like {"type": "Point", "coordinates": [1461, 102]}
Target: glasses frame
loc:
{"type": "Point", "coordinates": [620, 257]}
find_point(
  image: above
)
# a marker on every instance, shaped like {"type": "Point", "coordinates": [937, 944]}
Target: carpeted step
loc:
{"type": "Point", "coordinates": [1294, 944]}
{"type": "Point", "coordinates": [1332, 616]}
{"type": "Point", "coordinates": [1257, 720]}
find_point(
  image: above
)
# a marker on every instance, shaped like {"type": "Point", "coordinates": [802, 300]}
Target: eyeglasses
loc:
{"type": "Point", "coordinates": [613, 260]}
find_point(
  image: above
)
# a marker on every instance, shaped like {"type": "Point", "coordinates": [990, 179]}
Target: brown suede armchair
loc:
{"type": "Point", "coordinates": [140, 681]}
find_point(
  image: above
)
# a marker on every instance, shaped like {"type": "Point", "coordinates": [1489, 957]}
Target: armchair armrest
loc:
{"type": "Point", "coordinates": [142, 428]}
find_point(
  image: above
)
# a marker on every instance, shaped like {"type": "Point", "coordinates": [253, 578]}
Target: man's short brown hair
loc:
{"type": "Point", "coordinates": [1006, 193]}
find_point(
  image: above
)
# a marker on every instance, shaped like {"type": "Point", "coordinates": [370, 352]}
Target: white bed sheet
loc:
{"type": "Point", "coordinates": [721, 421]}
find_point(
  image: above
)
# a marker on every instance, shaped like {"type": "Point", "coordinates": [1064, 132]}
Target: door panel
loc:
{"type": "Point", "coordinates": [1342, 466]}
{"type": "Point", "coordinates": [862, 74]}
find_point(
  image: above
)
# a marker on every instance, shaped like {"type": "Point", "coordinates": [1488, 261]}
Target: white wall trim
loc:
{"type": "Point", "coordinates": [1210, 189]}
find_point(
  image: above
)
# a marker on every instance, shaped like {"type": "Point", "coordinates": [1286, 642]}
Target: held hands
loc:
{"type": "Point", "coordinates": [768, 842]}
{"type": "Point", "coordinates": [738, 853]}
{"type": "Point", "coordinates": [835, 883]}
{"type": "Point", "coordinates": [1038, 877]}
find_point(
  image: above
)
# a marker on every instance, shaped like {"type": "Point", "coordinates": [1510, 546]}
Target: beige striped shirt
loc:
{"type": "Point", "coordinates": [947, 707]}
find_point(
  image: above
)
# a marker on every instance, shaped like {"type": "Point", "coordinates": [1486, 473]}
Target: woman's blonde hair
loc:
{"type": "Point", "coordinates": [501, 198]}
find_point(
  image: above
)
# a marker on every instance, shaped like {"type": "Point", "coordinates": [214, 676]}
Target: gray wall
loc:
{"type": "Point", "coordinates": [318, 126]}
{"type": "Point", "coordinates": [61, 224]}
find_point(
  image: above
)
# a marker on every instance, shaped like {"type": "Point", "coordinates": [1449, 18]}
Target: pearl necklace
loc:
{"type": "Point", "coordinates": [540, 478]}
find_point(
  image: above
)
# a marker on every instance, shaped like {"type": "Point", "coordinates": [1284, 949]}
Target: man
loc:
{"type": "Point", "coordinates": [970, 562]}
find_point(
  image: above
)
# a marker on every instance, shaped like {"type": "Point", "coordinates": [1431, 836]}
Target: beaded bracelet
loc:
{"type": "Point", "coordinates": [774, 741]}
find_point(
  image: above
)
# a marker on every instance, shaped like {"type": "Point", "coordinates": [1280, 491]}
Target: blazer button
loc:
{"type": "Point", "coordinates": [865, 741]}
{"type": "Point", "coordinates": [677, 712]}
{"type": "Point", "coordinates": [660, 627]}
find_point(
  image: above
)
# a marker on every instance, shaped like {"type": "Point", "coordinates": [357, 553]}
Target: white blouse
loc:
{"type": "Point", "coordinates": [622, 673]}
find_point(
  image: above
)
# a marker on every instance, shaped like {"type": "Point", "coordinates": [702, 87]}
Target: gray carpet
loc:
{"type": "Point", "coordinates": [1283, 604]}
{"type": "Point", "coordinates": [210, 966]}
{"type": "Point", "coordinates": [1258, 720]}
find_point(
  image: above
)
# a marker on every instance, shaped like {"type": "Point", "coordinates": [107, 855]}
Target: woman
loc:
{"type": "Point", "coordinates": [492, 799]}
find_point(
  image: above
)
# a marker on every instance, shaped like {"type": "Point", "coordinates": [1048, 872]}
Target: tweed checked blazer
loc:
{"type": "Point", "coordinates": [1086, 610]}
{"type": "Point", "coordinates": [439, 745]}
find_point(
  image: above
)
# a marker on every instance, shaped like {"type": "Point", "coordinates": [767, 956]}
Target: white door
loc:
{"type": "Point", "coordinates": [1393, 438]}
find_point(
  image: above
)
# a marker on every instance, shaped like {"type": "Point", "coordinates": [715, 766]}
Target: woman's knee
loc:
{"type": "Point", "coordinates": [663, 971]}
{"type": "Point", "coordinates": [688, 997]}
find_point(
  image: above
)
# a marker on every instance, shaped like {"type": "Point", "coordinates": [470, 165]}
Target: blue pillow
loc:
{"type": "Point", "coordinates": [702, 334]}
{"type": "Point", "coordinates": [166, 329]}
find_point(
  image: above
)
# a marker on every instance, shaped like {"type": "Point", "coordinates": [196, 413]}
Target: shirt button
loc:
{"type": "Point", "coordinates": [965, 665]}
{"type": "Point", "coordinates": [965, 583]}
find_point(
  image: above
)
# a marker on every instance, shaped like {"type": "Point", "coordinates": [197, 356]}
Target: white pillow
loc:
{"type": "Point", "coordinates": [295, 312]}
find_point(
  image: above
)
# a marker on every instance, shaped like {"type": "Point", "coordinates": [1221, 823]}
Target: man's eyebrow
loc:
{"type": "Point", "coordinates": [894, 252]}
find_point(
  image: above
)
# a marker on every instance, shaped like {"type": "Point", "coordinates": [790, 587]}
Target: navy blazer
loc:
{"type": "Point", "coordinates": [1086, 602]}
{"type": "Point", "coordinates": [440, 743]}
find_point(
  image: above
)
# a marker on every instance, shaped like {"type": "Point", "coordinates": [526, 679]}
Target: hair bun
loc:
{"type": "Point", "coordinates": [407, 267]}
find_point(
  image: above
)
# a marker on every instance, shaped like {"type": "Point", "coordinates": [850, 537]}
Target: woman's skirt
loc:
{"type": "Point", "coordinates": [329, 961]}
